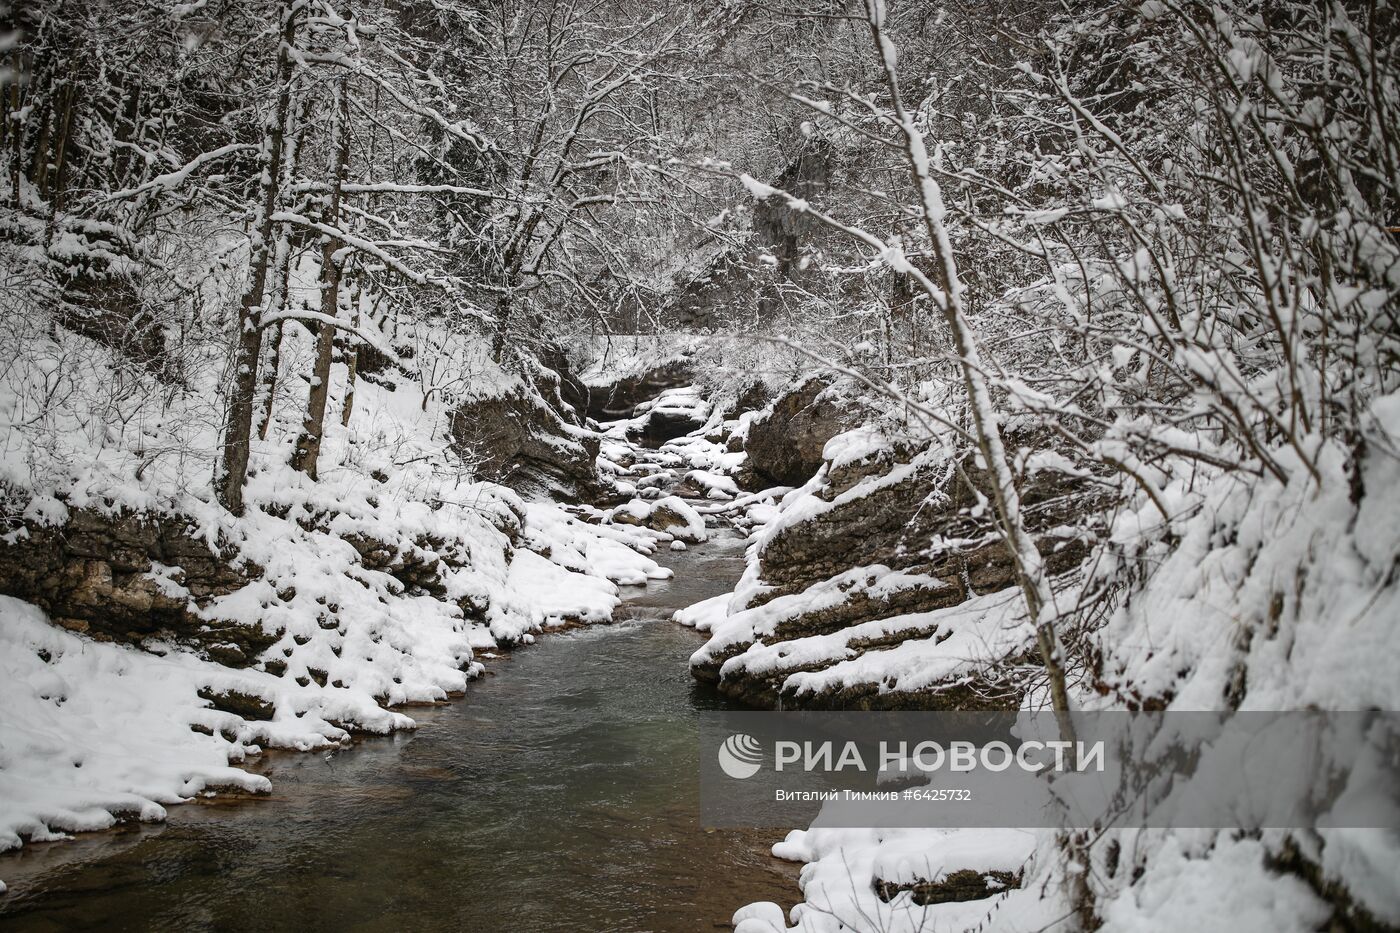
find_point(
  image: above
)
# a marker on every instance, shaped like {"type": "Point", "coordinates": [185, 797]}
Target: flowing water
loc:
{"type": "Point", "coordinates": [560, 794]}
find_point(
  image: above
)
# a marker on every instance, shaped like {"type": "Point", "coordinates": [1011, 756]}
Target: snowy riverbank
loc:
{"type": "Point", "coordinates": [338, 603]}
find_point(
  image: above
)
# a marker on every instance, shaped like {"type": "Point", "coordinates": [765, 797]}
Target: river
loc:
{"type": "Point", "coordinates": [559, 794]}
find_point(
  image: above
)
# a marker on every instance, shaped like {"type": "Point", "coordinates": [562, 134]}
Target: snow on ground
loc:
{"type": "Point", "coordinates": [91, 731]}
{"type": "Point", "coordinates": [1323, 567]}
{"type": "Point", "coordinates": [747, 626]}
{"type": "Point", "coordinates": [94, 730]}
{"type": "Point", "coordinates": [941, 647]}
{"type": "Point", "coordinates": [1256, 594]}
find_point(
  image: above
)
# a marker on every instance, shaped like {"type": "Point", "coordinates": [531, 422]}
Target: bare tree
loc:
{"type": "Point", "coordinates": [238, 422]}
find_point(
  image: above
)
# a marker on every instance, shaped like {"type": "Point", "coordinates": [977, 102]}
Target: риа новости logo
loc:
{"type": "Point", "coordinates": [740, 756]}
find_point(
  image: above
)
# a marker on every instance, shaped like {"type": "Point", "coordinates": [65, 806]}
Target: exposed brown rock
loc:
{"type": "Point", "coordinates": [785, 445]}
{"type": "Point", "coordinates": [752, 397]}
{"type": "Point", "coordinates": [924, 521]}
{"type": "Point", "coordinates": [247, 705]}
{"type": "Point", "coordinates": [666, 424]}
{"type": "Point", "coordinates": [859, 606]}
{"type": "Point", "coordinates": [91, 575]}
{"type": "Point", "coordinates": [619, 399]}
{"type": "Point", "coordinates": [922, 517]}
{"type": "Point", "coordinates": [562, 390]}
{"type": "Point", "coordinates": [418, 567]}
{"type": "Point", "coordinates": [519, 441]}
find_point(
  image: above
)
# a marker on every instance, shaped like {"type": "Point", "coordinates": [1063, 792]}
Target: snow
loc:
{"type": "Point", "coordinates": [1298, 565]}
{"type": "Point", "coordinates": [859, 445]}
{"type": "Point", "coordinates": [556, 593]}
{"type": "Point", "coordinates": [93, 732]}
{"type": "Point", "coordinates": [757, 189]}
{"type": "Point", "coordinates": [671, 516]}
{"type": "Point", "coordinates": [761, 917]}
{"type": "Point", "coordinates": [746, 626]}
{"type": "Point", "coordinates": [1225, 890]}
{"type": "Point", "coordinates": [704, 615]}
{"type": "Point", "coordinates": [910, 858]}
{"type": "Point", "coordinates": [1322, 561]}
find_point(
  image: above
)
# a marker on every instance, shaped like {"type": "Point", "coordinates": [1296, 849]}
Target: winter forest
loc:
{"type": "Point", "coordinates": [416, 414]}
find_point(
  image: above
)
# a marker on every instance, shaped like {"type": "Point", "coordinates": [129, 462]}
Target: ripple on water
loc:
{"type": "Point", "coordinates": [558, 795]}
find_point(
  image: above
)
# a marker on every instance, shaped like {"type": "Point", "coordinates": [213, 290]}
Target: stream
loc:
{"type": "Point", "coordinates": [559, 794]}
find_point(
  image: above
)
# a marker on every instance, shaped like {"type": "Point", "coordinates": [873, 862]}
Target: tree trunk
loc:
{"type": "Point", "coordinates": [65, 128]}
{"type": "Point", "coordinates": [232, 470]}
{"type": "Point", "coordinates": [279, 297]}
{"type": "Point", "coordinates": [1030, 570]}
{"type": "Point", "coordinates": [277, 301]}
{"type": "Point", "coordinates": [498, 342]}
{"type": "Point", "coordinates": [274, 366]}
{"type": "Point", "coordinates": [39, 168]}
{"type": "Point", "coordinates": [16, 129]}
{"type": "Point", "coordinates": [351, 363]}
{"type": "Point", "coordinates": [308, 450]}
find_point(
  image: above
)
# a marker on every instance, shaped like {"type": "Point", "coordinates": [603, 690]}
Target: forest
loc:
{"type": "Point", "coordinates": [417, 415]}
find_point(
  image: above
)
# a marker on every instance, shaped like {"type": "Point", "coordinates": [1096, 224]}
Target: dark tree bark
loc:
{"type": "Point", "coordinates": [238, 422]}
{"type": "Point", "coordinates": [15, 129]}
{"type": "Point", "coordinates": [352, 361]}
{"type": "Point", "coordinates": [308, 450]}
{"type": "Point", "coordinates": [70, 98]}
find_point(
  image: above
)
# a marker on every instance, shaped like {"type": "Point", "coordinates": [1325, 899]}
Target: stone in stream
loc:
{"type": "Point", "coordinates": [671, 415]}
{"type": "Point", "coordinates": [670, 515]}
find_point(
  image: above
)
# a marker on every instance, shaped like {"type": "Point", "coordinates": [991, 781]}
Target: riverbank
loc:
{"type": "Point", "coordinates": [560, 793]}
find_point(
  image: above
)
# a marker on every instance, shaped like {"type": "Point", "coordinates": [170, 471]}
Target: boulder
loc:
{"type": "Point", "coordinates": [753, 396]}
{"type": "Point", "coordinates": [672, 414]}
{"type": "Point", "coordinates": [677, 519]}
{"type": "Point", "coordinates": [859, 604]}
{"type": "Point", "coordinates": [516, 439]}
{"type": "Point", "coordinates": [785, 443]}
{"type": "Point", "coordinates": [667, 424]}
{"type": "Point", "coordinates": [670, 515]}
